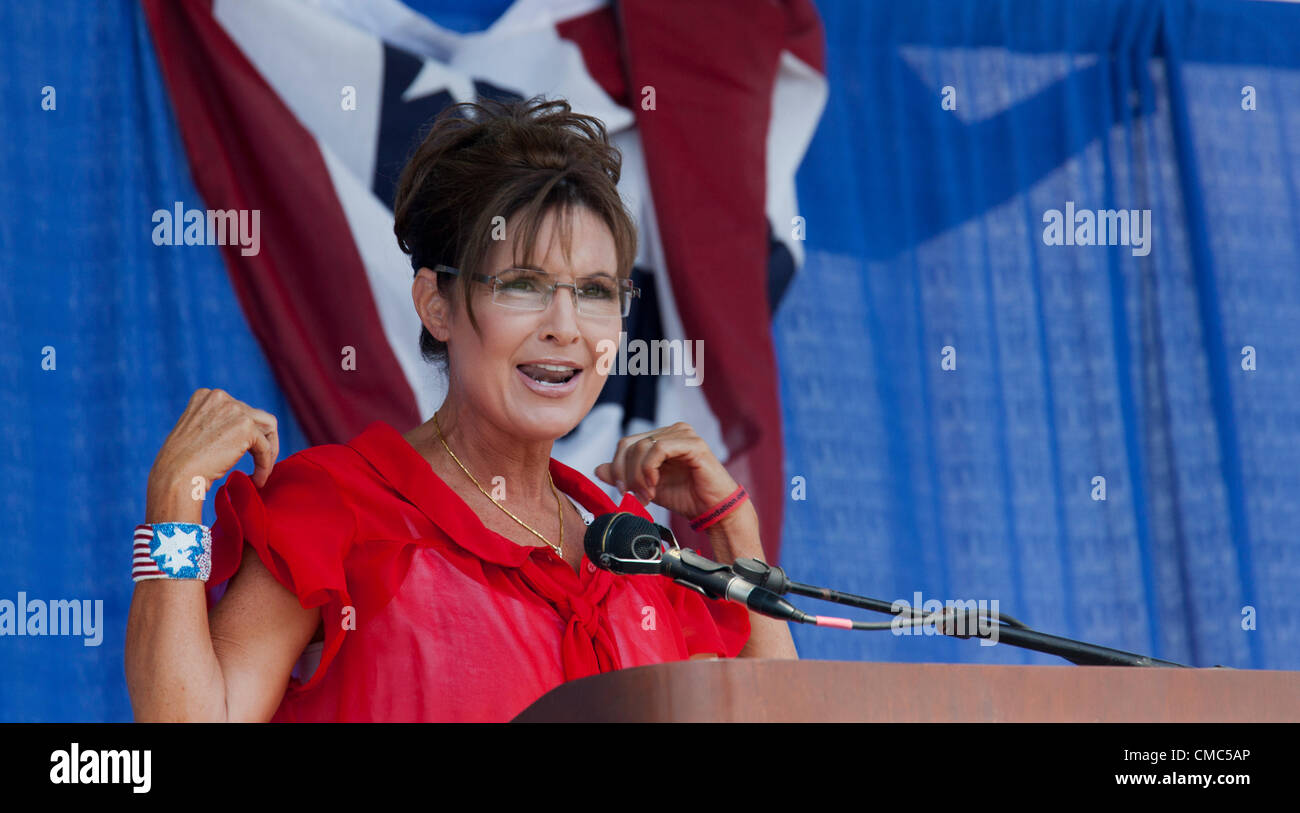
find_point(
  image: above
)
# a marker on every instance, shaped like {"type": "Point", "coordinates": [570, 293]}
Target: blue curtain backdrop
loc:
{"type": "Point", "coordinates": [924, 232]}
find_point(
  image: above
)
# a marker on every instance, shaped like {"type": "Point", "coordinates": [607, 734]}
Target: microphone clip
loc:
{"type": "Point", "coordinates": [687, 558]}
{"type": "Point", "coordinates": [769, 577]}
{"type": "Point", "coordinates": [648, 550]}
{"type": "Point", "coordinates": [667, 535]}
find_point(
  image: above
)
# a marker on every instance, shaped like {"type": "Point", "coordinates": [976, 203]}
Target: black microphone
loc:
{"type": "Point", "coordinates": [627, 544]}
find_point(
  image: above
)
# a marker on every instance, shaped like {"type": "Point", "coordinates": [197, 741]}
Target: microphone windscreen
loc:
{"type": "Point", "coordinates": [624, 536]}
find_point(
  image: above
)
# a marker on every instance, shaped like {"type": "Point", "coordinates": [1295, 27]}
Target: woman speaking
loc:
{"type": "Point", "coordinates": [439, 574]}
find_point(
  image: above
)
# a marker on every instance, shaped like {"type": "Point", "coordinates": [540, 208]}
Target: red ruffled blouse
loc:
{"type": "Point", "coordinates": [430, 616]}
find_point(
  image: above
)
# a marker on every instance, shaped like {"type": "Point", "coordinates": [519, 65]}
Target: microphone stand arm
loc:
{"type": "Point", "coordinates": [1009, 630]}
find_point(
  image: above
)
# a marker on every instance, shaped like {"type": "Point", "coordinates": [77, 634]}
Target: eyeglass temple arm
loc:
{"type": "Point", "coordinates": [440, 268]}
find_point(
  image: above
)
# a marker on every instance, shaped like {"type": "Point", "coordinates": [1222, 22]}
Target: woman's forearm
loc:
{"type": "Point", "coordinates": [735, 537]}
{"type": "Point", "coordinates": [172, 671]}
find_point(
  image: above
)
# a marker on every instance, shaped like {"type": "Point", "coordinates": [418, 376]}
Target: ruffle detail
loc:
{"type": "Point", "coordinates": [302, 530]}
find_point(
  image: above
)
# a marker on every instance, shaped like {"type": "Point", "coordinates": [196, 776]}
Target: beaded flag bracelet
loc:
{"type": "Point", "coordinates": [720, 510]}
{"type": "Point", "coordinates": [172, 550]}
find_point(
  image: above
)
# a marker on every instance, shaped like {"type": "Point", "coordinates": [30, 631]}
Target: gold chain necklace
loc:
{"type": "Point", "coordinates": [560, 505]}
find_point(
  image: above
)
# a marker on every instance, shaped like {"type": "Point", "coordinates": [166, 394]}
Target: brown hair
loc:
{"type": "Point", "coordinates": [481, 160]}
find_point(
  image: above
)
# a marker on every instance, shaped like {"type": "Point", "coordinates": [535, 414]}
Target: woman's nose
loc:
{"type": "Point", "coordinates": [561, 315]}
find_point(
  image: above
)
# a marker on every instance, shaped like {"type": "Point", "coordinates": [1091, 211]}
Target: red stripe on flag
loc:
{"type": "Point", "coordinates": [596, 35]}
{"type": "Point", "coordinates": [713, 64]}
{"type": "Point", "coordinates": [803, 34]}
{"type": "Point", "coordinates": [306, 295]}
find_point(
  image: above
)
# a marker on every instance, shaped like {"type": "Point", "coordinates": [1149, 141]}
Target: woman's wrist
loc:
{"type": "Point", "coordinates": [172, 503]}
{"type": "Point", "coordinates": [171, 550]}
{"type": "Point", "coordinates": [735, 536]}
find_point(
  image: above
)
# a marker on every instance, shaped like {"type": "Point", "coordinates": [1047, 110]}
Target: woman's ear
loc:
{"type": "Point", "coordinates": [432, 306]}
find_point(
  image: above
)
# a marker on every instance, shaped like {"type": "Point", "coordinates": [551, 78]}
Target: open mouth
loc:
{"type": "Point", "coordinates": [549, 375]}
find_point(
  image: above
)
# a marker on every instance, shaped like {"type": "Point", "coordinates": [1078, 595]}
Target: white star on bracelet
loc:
{"type": "Point", "coordinates": [172, 550]}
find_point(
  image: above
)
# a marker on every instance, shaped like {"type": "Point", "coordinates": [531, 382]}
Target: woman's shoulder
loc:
{"type": "Point", "coordinates": [301, 522]}
{"type": "Point", "coordinates": [340, 465]}
{"type": "Point", "coordinates": [336, 461]}
{"type": "Point", "coordinates": [309, 486]}
{"type": "Point", "coordinates": [347, 485]}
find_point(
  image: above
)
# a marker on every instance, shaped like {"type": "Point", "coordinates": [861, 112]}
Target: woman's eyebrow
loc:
{"type": "Point", "coordinates": [605, 274]}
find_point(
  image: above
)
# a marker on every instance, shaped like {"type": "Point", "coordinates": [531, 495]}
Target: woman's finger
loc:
{"type": "Point", "coordinates": [643, 458]}
{"type": "Point", "coordinates": [270, 428]}
{"type": "Point", "coordinates": [618, 466]}
{"type": "Point", "coordinates": [262, 418]}
{"type": "Point", "coordinates": [633, 450]}
{"type": "Point", "coordinates": [263, 455]}
{"type": "Point", "coordinates": [615, 467]}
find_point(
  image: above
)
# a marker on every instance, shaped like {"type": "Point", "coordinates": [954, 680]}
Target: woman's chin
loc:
{"type": "Point", "coordinates": [558, 409]}
{"type": "Point", "coordinates": [550, 420]}
{"type": "Point", "coordinates": [537, 430]}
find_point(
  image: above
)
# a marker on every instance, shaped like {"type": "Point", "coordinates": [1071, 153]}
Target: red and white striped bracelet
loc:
{"type": "Point", "coordinates": [172, 550]}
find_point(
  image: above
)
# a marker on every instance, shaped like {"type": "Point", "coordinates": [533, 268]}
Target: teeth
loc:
{"type": "Point", "coordinates": [538, 372]}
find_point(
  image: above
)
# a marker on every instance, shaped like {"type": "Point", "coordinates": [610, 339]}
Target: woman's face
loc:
{"type": "Point", "coordinates": [491, 372]}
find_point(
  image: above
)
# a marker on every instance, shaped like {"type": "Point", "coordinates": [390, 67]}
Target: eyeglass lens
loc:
{"type": "Point", "coordinates": [526, 289]}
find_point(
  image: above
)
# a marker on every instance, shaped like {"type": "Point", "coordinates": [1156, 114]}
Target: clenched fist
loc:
{"type": "Point", "coordinates": [212, 434]}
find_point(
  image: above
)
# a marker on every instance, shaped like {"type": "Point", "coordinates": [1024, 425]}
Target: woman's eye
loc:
{"type": "Point", "coordinates": [519, 285]}
{"type": "Point", "coordinates": [597, 290]}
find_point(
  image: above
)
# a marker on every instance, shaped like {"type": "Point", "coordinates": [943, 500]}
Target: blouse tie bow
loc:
{"type": "Point", "coordinates": [588, 646]}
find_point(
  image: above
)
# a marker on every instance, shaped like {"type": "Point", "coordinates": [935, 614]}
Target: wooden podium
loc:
{"type": "Point", "coordinates": [784, 691]}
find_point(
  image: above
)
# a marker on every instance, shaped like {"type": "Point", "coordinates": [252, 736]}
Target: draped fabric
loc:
{"type": "Point", "coordinates": [133, 329]}
{"type": "Point", "coordinates": [247, 80]}
{"type": "Point", "coordinates": [923, 230]}
{"type": "Point", "coordinates": [1168, 373]}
